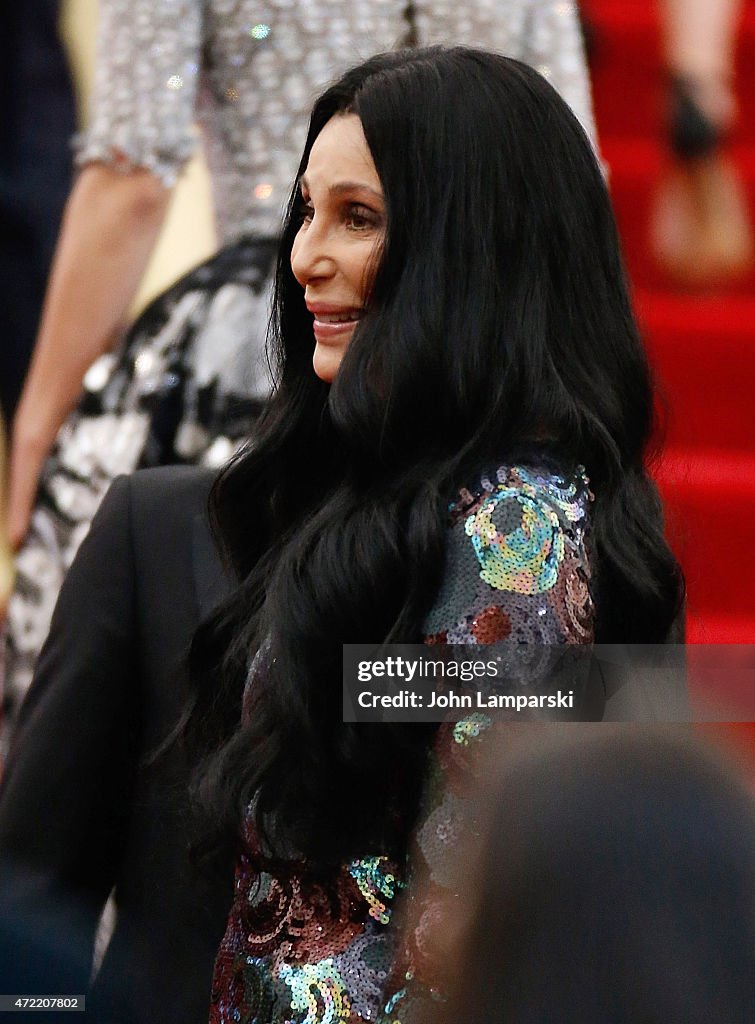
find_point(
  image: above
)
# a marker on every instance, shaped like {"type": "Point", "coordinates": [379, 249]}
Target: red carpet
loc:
{"type": "Point", "coordinates": [703, 348]}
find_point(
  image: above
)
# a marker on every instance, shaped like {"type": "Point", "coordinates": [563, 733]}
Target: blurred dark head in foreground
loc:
{"type": "Point", "coordinates": [617, 884]}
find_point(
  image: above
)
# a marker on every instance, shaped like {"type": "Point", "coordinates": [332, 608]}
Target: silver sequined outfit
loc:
{"type": "Point", "coordinates": [247, 71]}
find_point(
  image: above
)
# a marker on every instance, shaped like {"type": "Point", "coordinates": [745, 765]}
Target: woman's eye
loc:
{"type": "Point", "coordinates": [360, 218]}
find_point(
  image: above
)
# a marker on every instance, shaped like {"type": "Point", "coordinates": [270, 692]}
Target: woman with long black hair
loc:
{"type": "Point", "coordinates": [187, 380]}
{"type": "Point", "coordinates": [455, 453]}
{"type": "Point", "coordinates": [451, 246]}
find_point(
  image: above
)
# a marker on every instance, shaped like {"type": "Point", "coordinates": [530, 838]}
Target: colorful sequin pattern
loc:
{"type": "Point", "coordinates": [517, 561]}
{"type": "Point", "coordinates": [518, 569]}
{"type": "Point", "coordinates": [524, 559]}
{"type": "Point", "coordinates": [301, 949]}
{"type": "Point", "coordinates": [248, 71]}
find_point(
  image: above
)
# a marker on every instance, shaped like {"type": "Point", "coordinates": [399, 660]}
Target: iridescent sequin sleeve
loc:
{"type": "Point", "coordinates": [142, 109]}
{"type": "Point", "coordinates": [517, 570]}
{"type": "Point", "coordinates": [517, 567]}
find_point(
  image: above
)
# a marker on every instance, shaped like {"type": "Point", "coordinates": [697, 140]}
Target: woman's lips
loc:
{"type": "Point", "coordinates": [332, 324]}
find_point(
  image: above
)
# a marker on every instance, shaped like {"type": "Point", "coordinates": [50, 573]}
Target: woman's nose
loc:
{"type": "Point", "coordinates": [310, 255]}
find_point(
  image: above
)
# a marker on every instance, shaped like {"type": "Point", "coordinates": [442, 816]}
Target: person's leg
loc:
{"type": "Point", "coordinates": [700, 230]}
{"type": "Point", "coordinates": [699, 39]}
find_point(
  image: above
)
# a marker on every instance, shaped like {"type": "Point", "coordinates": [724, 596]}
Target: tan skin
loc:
{"type": "Point", "coordinates": [699, 37]}
{"type": "Point", "coordinates": [333, 254]}
{"type": "Point", "coordinates": [110, 227]}
{"type": "Point", "coordinates": [700, 227]}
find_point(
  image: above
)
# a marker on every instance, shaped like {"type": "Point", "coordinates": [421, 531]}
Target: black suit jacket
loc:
{"type": "Point", "coordinates": [82, 811]}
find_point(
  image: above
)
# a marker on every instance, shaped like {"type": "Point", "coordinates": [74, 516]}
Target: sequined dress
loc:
{"type": "Point", "coordinates": [186, 382]}
{"type": "Point", "coordinates": [301, 948]}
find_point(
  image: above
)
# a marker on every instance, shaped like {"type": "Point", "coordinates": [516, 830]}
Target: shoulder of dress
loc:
{"type": "Point", "coordinates": [566, 491]}
{"type": "Point", "coordinates": [517, 561]}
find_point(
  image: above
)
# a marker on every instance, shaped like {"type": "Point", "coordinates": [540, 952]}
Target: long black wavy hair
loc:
{"type": "Point", "coordinates": [498, 325]}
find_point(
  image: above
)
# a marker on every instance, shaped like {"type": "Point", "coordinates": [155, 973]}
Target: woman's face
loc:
{"type": "Point", "coordinates": [334, 253]}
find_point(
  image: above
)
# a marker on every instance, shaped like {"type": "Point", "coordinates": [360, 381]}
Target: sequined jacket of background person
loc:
{"type": "Point", "coordinates": [302, 948]}
{"type": "Point", "coordinates": [248, 72]}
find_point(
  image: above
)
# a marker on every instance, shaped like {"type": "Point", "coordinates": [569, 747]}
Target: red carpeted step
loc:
{"type": "Point", "coordinates": [710, 500]}
{"type": "Point", "coordinates": [702, 347]}
{"type": "Point", "coordinates": [721, 679]}
{"type": "Point", "coordinates": [720, 629]}
{"type": "Point", "coordinates": [627, 66]}
{"type": "Point", "coordinates": [703, 352]}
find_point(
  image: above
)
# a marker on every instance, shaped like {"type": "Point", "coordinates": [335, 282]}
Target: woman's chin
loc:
{"type": "Point", "coordinates": [326, 361]}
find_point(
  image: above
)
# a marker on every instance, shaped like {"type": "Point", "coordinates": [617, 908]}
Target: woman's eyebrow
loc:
{"type": "Point", "coordinates": [354, 186]}
{"type": "Point", "coordinates": [342, 187]}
